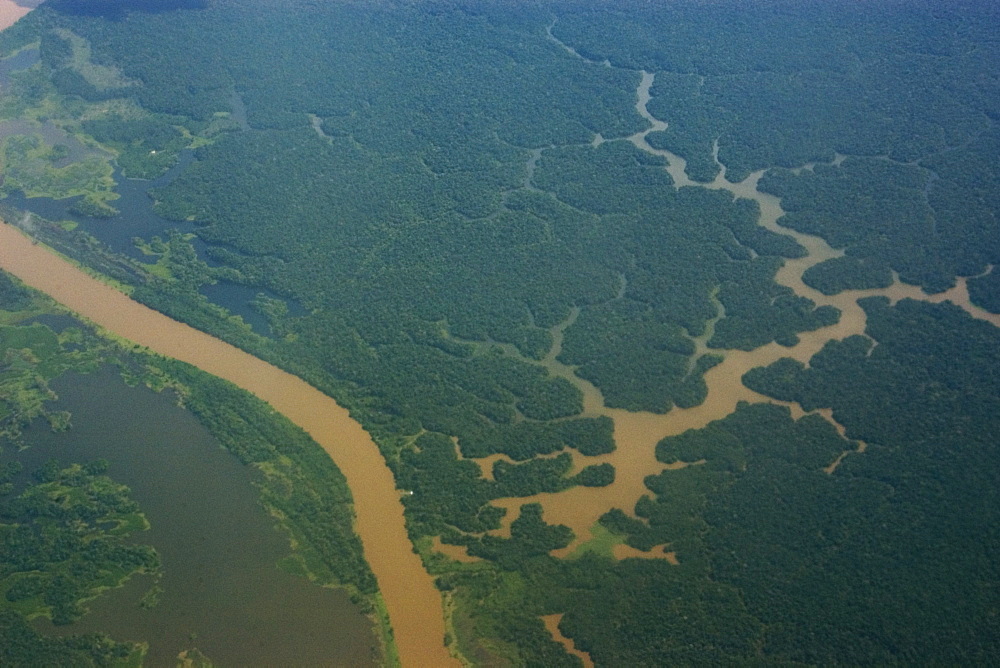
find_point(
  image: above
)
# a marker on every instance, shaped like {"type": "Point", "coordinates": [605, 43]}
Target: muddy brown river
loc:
{"type": "Point", "coordinates": [413, 603]}
{"type": "Point", "coordinates": [10, 12]}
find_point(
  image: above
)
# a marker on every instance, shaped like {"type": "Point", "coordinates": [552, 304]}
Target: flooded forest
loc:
{"type": "Point", "coordinates": [482, 333]}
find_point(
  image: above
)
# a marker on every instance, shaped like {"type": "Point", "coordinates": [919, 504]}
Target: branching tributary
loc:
{"type": "Point", "coordinates": [414, 605]}
{"type": "Point", "coordinates": [636, 434]}
{"type": "Point", "coordinates": [412, 601]}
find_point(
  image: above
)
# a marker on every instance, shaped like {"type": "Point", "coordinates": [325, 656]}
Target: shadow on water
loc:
{"type": "Point", "coordinates": [136, 217]}
{"type": "Point", "coordinates": [239, 300]}
{"type": "Point", "coordinates": [222, 592]}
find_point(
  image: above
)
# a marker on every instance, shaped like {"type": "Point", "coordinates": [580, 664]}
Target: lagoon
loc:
{"type": "Point", "coordinates": [222, 590]}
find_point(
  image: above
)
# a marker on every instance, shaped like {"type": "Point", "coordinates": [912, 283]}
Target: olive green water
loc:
{"type": "Point", "coordinates": [412, 601]}
{"type": "Point", "coordinates": [222, 592]}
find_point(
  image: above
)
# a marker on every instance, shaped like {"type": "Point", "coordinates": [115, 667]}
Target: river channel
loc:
{"type": "Point", "coordinates": [413, 603]}
{"type": "Point", "coordinates": [11, 11]}
{"type": "Point", "coordinates": [637, 433]}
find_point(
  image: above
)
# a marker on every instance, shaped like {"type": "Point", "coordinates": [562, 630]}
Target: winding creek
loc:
{"type": "Point", "coordinates": [636, 433]}
{"type": "Point", "coordinates": [413, 603]}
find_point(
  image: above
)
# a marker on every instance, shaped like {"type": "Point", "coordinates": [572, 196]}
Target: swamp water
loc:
{"type": "Point", "coordinates": [222, 591]}
{"type": "Point", "coordinates": [412, 601]}
{"type": "Point", "coordinates": [635, 433]}
{"type": "Point", "coordinates": [136, 218]}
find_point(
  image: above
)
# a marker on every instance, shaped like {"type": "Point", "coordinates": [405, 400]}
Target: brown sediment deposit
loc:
{"type": "Point", "coordinates": [456, 552]}
{"type": "Point", "coordinates": [413, 603]}
{"type": "Point", "coordinates": [552, 625]}
{"type": "Point", "coordinates": [623, 551]}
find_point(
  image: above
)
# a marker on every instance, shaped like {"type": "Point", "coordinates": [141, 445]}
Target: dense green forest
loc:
{"type": "Point", "coordinates": [447, 189]}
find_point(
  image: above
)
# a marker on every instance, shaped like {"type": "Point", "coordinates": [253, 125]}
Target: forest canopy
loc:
{"type": "Point", "coordinates": [460, 222]}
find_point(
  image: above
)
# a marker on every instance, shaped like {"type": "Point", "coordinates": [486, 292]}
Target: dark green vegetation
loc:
{"type": "Point", "coordinates": [65, 537]}
{"type": "Point", "coordinates": [929, 220]}
{"type": "Point", "coordinates": [21, 645]}
{"type": "Point", "coordinates": [897, 531]}
{"type": "Point", "coordinates": [30, 356]}
{"type": "Point", "coordinates": [791, 83]}
{"type": "Point", "coordinates": [885, 561]}
{"type": "Point", "coordinates": [424, 179]}
{"type": "Point", "coordinates": [65, 530]}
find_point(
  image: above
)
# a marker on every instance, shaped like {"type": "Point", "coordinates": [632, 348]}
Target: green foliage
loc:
{"type": "Point", "coordinates": [920, 495]}
{"type": "Point", "coordinates": [746, 75]}
{"type": "Point", "coordinates": [769, 313]}
{"type": "Point", "coordinates": [445, 262]}
{"type": "Point", "coordinates": [55, 50]}
{"type": "Point", "coordinates": [847, 273]}
{"type": "Point", "coordinates": [424, 178]}
{"type": "Point", "coordinates": [94, 207]}
{"type": "Point", "coordinates": [30, 356]}
{"type": "Point", "coordinates": [596, 475]}
{"type": "Point", "coordinates": [603, 341]}
{"type": "Point", "coordinates": [301, 484]}
{"type": "Point", "coordinates": [929, 223]}
{"type": "Point", "coordinates": [13, 295]}
{"type": "Point", "coordinates": [424, 172]}
{"type": "Point", "coordinates": [445, 489]}
{"type": "Point", "coordinates": [70, 82]}
{"type": "Point", "coordinates": [28, 88]}
{"type": "Point", "coordinates": [147, 146]}
{"type": "Point", "coordinates": [694, 122]}
{"type": "Point", "coordinates": [22, 645]}
{"type": "Point", "coordinates": [875, 209]}
{"type": "Point", "coordinates": [530, 537]}
{"type": "Point", "coordinates": [28, 167]}
{"type": "Point", "coordinates": [66, 537]}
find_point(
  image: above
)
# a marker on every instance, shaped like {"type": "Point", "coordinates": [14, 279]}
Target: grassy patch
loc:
{"type": "Point", "coordinates": [602, 544]}
{"type": "Point", "coordinates": [29, 166]}
{"type": "Point", "coordinates": [100, 77]}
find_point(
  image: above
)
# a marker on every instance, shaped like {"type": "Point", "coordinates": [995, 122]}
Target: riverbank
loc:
{"type": "Point", "coordinates": [412, 601]}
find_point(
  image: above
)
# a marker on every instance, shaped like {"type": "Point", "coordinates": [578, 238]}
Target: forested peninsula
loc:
{"type": "Point", "coordinates": [639, 301]}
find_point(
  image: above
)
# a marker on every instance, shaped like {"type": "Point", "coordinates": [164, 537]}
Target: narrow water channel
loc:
{"type": "Point", "coordinates": [413, 603]}
{"type": "Point", "coordinates": [637, 433]}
